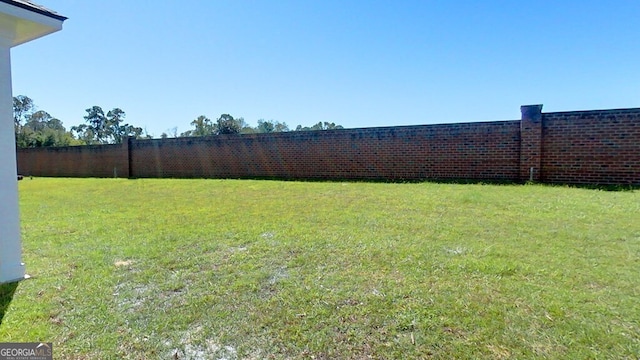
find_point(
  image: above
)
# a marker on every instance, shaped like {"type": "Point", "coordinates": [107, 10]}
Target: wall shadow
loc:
{"type": "Point", "coordinates": [6, 295]}
{"type": "Point", "coordinates": [507, 182]}
{"type": "Point", "coordinates": [617, 188]}
{"type": "Point", "coordinates": [627, 187]}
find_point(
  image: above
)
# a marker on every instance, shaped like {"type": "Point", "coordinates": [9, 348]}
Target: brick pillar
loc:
{"type": "Point", "coordinates": [124, 169]}
{"type": "Point", "coordinates": [530, 142]}
{"type": "Point", "coordinates": [129, 169]}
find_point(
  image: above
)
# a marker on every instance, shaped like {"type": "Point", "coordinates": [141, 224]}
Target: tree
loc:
{"type": "Point", "coordinates": [245, 128]}
{"type": "Point", "coordinates": [281, 127]}
{"type": "Point", "coordinates": [118, 132]}
{"type": "Point", "coordinates": [145, 134]}
{"type": "Point", "coordinates": [37, 128]}
{"type": "Point", "coordinates": [265, 126]}
{"type": "Point", "coordinates": [248, 130]}
{"type": "Point", "coordinates": [85, 133]}
{"type": "Point", "coordinates": [271, 126]}
{"type": "Point", "coordinates": [202, 127]}
{"type": "Point", "coordinates": [22, 107]}
{"type": "Point", "coordinates": [95, 131]}
{"type": "Point", "coordinates": [101, 129]}
{"type": "Point", "coordinates": [173, 132]}
{"type": "Point", "coordinates": [320, 126]}
{"type": "Point", "coordinates": [226, 124]}
{"type": "Point", "coordinates": [39, 120]}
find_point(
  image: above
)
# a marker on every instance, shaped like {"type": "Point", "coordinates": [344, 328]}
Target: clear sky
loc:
{"type": "Point", "coordinates": [355, 63]}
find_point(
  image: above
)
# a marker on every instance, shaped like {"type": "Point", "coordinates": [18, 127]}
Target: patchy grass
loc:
{"type": "Point", "coordinates": [226, 269]}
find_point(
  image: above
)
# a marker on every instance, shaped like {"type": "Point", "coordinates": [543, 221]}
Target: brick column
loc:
{"type": "Point", "coordinates": [124, 172]}
{"type": "Point", "coordinates": [129, 169]}
{"type": "Point", "coordinates": [530, 142]}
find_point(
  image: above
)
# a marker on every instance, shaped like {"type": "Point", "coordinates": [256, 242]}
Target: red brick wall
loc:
{"type": "Point", "coordinates": [75, 161]}
{"type": "Point", "coordinates": [601, 146]}
{"type": "Point", "coordinates": [589, 147]}
{"type": "Point", "coordinates": [488, 150]}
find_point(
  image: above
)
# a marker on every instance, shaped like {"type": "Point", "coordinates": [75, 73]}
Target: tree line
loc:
{"type": "Point", "coordinates": [37, 128]}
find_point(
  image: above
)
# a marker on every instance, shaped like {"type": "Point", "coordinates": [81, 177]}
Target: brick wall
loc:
{"type": "Point", "coordinates": [75, 161]}
{"type": "Point", "coordinates": [488, 150]}
{"type": "Point", "coordinates": [590, 147]}
{"type": "Point", "coordinates": [601, 146]}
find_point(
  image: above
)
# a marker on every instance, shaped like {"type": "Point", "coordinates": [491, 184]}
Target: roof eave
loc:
{"type": "Point", "coordinates": [27, 5]}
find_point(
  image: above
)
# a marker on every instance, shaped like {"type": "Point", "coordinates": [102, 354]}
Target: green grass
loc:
{"type": "Point", "coordinates": [212, 269]}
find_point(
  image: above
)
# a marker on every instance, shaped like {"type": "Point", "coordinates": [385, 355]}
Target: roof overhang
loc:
{"type": "Point", "coordinates": [22, 21]}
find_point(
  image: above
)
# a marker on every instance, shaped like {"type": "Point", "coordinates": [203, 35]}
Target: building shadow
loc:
{"type": "Point", "coordinates": [6, 295]}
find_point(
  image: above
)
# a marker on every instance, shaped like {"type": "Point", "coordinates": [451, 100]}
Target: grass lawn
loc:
{"type": "Point", "coordinates": [243, 269]}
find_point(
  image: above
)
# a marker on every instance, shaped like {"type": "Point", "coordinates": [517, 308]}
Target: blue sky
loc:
{"type": "Point", "coordinates": [355, 63]}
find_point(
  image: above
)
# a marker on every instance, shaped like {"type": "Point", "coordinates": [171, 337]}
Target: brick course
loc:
{"type": "Point", "coordinates": [591, 147]}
